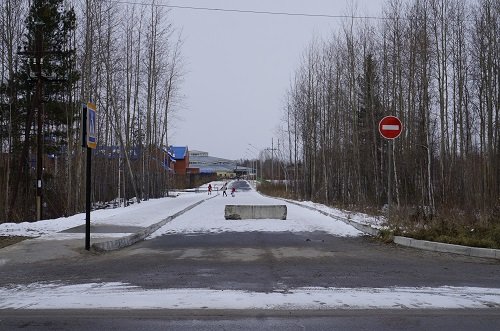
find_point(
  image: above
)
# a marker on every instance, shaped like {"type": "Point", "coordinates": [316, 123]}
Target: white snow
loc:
{"type": "Point", "coordinates": [209, 218]}
{"type": "Point", "coordinates": [142, 214]}
{"type": "Point", "coordinates": [375, 221]}
{"type": "Point", "coordinates": [125, 296]}
{"type": "Point", "coordinates": [206, 218]}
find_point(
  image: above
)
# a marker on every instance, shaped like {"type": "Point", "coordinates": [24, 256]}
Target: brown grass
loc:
{"type": "Point", "coordinates": [451, 226]}
{"type": "Point", "coordinates": [7, 241]}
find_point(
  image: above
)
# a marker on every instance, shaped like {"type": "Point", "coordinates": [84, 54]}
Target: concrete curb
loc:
{"type": "Point", "coordinates": [358, 226]}
{"type": "Point", "coordinates": [448, 248]}
{"type": "Point", "coordinates": [414, 243]}
{"type": "Point", "coordinates": [119, 243]}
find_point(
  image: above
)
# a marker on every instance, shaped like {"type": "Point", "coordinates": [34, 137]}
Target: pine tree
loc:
{"type": "Point", "coordinates": [44, 80]}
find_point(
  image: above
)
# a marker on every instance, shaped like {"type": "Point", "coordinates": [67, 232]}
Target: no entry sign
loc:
{"type": "Point", "coordinates": [390, 127]}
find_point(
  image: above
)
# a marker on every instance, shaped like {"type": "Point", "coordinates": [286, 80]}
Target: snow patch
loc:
{"type": "Point", "coordinates": [118, 295]}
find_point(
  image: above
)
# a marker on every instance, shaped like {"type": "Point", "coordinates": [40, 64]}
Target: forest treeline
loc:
{"type": "Point", "coordinates": [59, 54]}
{"type": "Point", "coordinates": [432, 63]}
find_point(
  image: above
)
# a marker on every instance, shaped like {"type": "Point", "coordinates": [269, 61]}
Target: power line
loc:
{"type": "Point", "coordinates": [245, 11]}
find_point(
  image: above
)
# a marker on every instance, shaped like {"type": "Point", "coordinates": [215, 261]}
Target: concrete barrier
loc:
{"type": "Point", "coordinates": [241, 212]}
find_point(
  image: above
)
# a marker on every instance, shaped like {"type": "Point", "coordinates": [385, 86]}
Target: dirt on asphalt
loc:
{"type": "Point", "coordinates": [7, 241]}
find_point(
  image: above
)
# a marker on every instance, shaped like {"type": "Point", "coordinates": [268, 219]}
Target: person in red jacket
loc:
{"type": "Point", "coordinates": [209, 189]}
{"type": "Point", "coordinates": [232, 191]}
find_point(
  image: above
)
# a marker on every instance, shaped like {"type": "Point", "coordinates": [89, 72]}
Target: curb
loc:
{"type": "Point", "coordinates": [488, 253]}
{"type": "Point", "coordinates": [448, 248]}
{"type": "Point", "coordinates": [123, 242]}
{"type": "Point", "coordinates": [367, 229]}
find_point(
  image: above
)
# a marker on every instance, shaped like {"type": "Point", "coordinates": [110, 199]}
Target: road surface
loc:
{"type": "Point", "coordinates": [246, 261]}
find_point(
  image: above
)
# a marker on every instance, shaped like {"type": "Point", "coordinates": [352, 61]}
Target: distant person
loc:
{"type": "Point", "coordinates": [224, 194]}
{"type": "Point", "coordinates": [209, 189]}
{"type": "Point", "coordinates": [232, 192]}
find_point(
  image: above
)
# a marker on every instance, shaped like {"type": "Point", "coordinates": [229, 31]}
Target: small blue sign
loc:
{"type": "Point", "coordinates": [91, 125]}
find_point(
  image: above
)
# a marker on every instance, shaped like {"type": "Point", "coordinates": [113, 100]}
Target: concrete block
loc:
{"type": "Point", "coordinates": [403, 241]}
{"type": "Point", "coordinates": [241, 212]}
{"type": "Point", "coordinates": [448, 248]}
{"type": "Point", "coordinates": [484, 252]}
{"type": "Point", "coordinates": [364, 228]}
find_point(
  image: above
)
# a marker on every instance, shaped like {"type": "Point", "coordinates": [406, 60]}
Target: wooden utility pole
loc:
{"type": "Point", "coordinates": [272, 149]}
{"type": "Point", "coordinates": [39, 108]}
{"type": "Point", "coordinates": [35, 57]}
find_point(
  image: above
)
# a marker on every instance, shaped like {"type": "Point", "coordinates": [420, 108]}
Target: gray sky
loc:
{"type": "Point", "coordinates": [239, 67]}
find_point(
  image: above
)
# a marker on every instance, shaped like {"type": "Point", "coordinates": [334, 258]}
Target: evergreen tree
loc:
{"type": "Point", "coordinates": [44, 81]}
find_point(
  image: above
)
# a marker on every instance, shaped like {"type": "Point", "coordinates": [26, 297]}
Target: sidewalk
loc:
{"type": "Point", "coordinates": [65, 237]}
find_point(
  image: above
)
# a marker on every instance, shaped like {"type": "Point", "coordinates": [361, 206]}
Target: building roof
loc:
{"type": "Point", "coordinates": [177, 152]}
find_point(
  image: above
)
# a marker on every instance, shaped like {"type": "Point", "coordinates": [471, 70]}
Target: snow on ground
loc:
{"type": "Point", "coordinates": [209, 218]}
{"type": "Point", "coordinates": [125, 296]}
{"type": "Point", "coordinates": [142, 214]}
{"type": "Point", "coordinates": [375, 221]}
{"type": "Point", "coordinates": [36, 229]}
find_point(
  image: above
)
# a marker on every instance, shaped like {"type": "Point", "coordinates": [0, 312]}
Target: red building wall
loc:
{"type": "Point", "coordinates": [181, 166]}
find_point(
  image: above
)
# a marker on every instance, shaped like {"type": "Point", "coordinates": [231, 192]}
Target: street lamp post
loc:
{"type": "Point", "coordinates": [254, 162]}
{"type": "Point", "coordinates": [260, 162]}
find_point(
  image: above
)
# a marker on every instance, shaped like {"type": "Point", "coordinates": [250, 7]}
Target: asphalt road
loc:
{"type": "Point", "coordinates": [258, 261]}
{"type": "Point", "coordinates": [359, 320]}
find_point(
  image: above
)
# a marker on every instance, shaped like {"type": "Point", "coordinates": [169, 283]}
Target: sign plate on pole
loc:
{"type": "Point", "coordinates": [390, 127]}
{"type": "Point", "coordinates": [91, 125]}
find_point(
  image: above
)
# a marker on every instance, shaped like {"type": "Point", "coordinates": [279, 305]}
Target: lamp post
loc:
{"type": "Point", "coordinates": [252, 162]}
{"type": "Point", "coordinates": [258, 156]}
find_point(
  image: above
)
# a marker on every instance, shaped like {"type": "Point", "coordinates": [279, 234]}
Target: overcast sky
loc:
{"type": "Point", "coordinates": [239, 66]}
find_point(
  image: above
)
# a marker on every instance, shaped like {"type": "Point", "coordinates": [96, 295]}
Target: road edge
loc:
{"type": "Point", "coordinates": [116, 244]}
{"type": "Point", "coordinates": [433, 246]}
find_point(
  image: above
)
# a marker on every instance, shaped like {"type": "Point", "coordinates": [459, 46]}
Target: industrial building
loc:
{"type": "Point", "coordinates": [183, 161]}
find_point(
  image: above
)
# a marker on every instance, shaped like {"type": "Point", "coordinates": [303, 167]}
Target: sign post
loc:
{"type": "Point", "coordinates": [390, 127]}
{"type": "Point", "coordinates": [89, 142]}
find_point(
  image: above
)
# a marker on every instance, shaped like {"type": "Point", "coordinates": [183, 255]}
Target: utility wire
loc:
{"type": "Point", "coordinates": [243, 11]}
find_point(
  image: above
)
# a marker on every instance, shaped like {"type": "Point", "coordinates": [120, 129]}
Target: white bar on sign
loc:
{"type": "Point", "coordinates": [390, 127]}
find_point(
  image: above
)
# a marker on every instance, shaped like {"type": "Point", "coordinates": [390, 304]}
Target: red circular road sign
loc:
{"type": "Point", "coordinates": [390, 127]}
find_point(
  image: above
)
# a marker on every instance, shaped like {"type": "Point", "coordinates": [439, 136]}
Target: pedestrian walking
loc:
{"type": "Point", "coordinates": [209, 189]}
{"type": "Point", "coordinates": [224, 194]}
{"type": "Point", "coordinates": [232, 192]}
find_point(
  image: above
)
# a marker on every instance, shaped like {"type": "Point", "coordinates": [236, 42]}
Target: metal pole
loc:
{"type": "Point", "coordinates": [272, 159]}
{"type": "Point", "coordinates": [389, 177]}
{"type": "Point", "coordinates": [39, 96]}
{"type": "Point", "coordinates": [255, 170]}
{"type": "Point", "coordinates": [87, 199]}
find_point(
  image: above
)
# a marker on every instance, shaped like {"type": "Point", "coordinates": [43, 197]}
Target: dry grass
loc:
{"type": "Point", "coordinates": [448, 225]}
{"type": "Point", "coordinates": [7, 241]}
{"type": "Point", "coordinates": [451, 226]}
{"type": "Point", "coordinates": [275, 190]}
